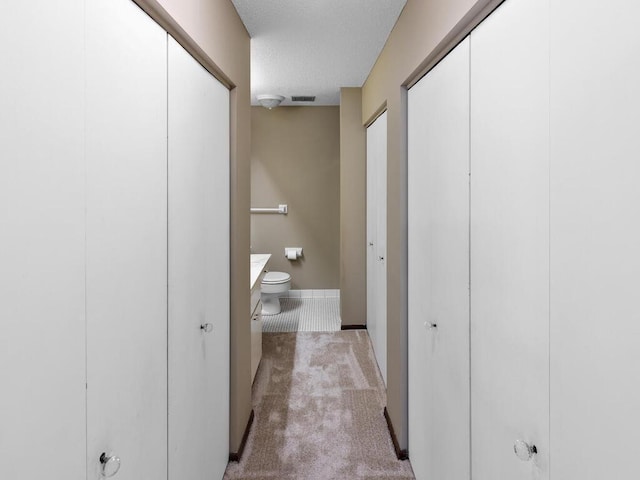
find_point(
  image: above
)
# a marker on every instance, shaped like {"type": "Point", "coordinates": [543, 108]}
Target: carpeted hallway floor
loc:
{"type": "Point", "coordinates": [318, 400]}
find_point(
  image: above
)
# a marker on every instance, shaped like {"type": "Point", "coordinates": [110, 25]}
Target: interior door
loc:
{"type": "Point", "coordinates": [198, 270]}
{"type": "Point", "coordinates": [42, 319]}
{"type": "Point", "coordinates": [126, 155]}
{"type": "Point", "coordinates": [595, 234]}
{"type": "Point", "coordinates": [510, 242]}
{"type": "Point", "coordinates": [438, 200]}
{"type": "Point", "coordinates": [377, 253]}
{"type": "Point", "coordinates": [372, 241]}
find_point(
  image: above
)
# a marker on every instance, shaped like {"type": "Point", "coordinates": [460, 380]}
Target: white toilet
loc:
{"type": "Point", "coordinates": [274, 285]}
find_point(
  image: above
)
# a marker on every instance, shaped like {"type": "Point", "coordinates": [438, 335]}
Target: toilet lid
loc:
{"type": "Point", "coordinates": [276, 277]}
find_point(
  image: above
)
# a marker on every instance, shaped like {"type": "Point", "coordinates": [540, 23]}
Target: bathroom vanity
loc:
{"type": "Point", "coordinates": [258, 265]}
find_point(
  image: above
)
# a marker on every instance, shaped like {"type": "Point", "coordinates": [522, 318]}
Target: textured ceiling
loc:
{"type": "Point", "coordinates": [314, 47]}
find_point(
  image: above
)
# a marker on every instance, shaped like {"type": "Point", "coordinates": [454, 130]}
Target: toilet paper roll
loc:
{"type": "Point", "coordinates": [292, 254]}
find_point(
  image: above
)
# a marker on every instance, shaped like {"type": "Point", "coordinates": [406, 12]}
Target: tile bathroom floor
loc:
{"type": "Point", "coordinates": [305, 315]}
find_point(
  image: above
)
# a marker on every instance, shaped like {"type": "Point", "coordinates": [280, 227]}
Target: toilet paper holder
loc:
{"type": "Point", "coordinates": [293, 253]}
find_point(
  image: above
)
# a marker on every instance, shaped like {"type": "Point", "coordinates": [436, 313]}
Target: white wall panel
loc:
{"type": "Point", "coordinates": [510, 241]}
{"type": "Point", "coordinates": [126, 154]}
{"type": "Point", "coordinates": [438, 199]}
{"type": "Point", "coordinates": [595, 234]}
{"type": "Point", "coordinates": [199, 274]}
{"type": "Point", "coordinates": [42, 334]}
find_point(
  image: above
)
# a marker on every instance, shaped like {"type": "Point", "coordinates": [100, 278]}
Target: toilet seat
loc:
{"type": "Point", "coordinates": [273, 285]}
{"type": "Point", "coordinates": [276, 278]}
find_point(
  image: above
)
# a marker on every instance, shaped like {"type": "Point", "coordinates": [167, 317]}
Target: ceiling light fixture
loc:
{"type": "Point", "coordinates": [270, 101]}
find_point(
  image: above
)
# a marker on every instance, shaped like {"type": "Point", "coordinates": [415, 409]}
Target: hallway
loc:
{"type": "Point", "coordinates": [318, 400]}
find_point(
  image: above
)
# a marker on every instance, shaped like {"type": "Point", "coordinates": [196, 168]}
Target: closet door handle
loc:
{"type": "Point", "coordinates": [381, 258]}
{"type": "Point", "coordinates": [524, 451]}
{"type": "Point", "coordinates": [207, 327]}
{"type": "Point", "coordinates": [109, 465]}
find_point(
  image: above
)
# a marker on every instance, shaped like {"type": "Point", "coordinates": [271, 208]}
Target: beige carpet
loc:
{"type": "Point", "coordinates": [318, 403]}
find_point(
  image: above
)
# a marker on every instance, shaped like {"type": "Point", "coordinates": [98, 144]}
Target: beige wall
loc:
{"type": "Point", "coordinates": [295, 160]}
{"type": "Point", "coordinates": [425, 31]}
{"type": "Point", "coordinates": [212, 31]}
{"type": "Point", "coordinates": [353, 259]}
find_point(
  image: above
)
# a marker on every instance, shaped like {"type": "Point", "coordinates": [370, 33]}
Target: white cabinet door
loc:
{"type": "Point", "coordinates": [595, 235]}
{"type": "Point", "coordinates": [126, 91]}
{"type": "Point", "coordinates": [42, 335]}
{"type": "Point", "coordinates": [377, 233]}
{"type": "Point", "coordinates": [438, 199]}
{"type": "Point", "coordinates": [256, 339]}
{"type": "Point", "coordinates": [510, 241]}
{"type": "Point", "coordinates": [198, 270]}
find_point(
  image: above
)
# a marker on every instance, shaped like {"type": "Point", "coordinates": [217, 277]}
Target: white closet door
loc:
{"type": "Point", "coordinates": [126, 239]}
{"type": "Point", "coordinates": [438, 199]}
{"type": "Point", "coordinates": [510, 241]}
{"type": "Point", "coordinates": [377, 228]}
{"type": "Point", "coordinates": [372, 230]}
{"type": "Point", "coordinates": [42, 336]}
{"type": "Point", "coordinates": [595, 235]}
{"type": "Point", "coordinates": [198, 270]}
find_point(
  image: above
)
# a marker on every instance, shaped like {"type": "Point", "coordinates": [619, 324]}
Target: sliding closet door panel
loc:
{"type": "Point", "coordinates": [42, 335]}
{"type": "Point", "coordinates": [198, 270]}
{"type": "Point", "coordinates": [372, 230]}
{"type": "Point", "coordinates": [438, 191]}
{"type": "Point", "coordinates": [595, 234]}
{"type": "Point", "coordinates": [510, 241]}
{"type": "Point", "coordinates": [381, 246]}
{"type": "Point", "coordinates": [126, 239]}
{"type": "Point", "coordinates": [377, 253]}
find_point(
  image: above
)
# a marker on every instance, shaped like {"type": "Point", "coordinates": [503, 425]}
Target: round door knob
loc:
{"type": "Point", "coordinates": [207, 327]}
{"type": "Point", "coordinates": [523, 450]}
{"type": "Point", "coordinates": [109, 465]}
{"type": "Point", "coordinates": [430, 325]}
{"type": "Point", "coordinates": [380, 258]}
{"type": "Point", "coordinates": [371, 244]}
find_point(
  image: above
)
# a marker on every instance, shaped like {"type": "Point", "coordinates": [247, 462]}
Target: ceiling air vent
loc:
{"type": "Point", "coordinates": [303, 98]}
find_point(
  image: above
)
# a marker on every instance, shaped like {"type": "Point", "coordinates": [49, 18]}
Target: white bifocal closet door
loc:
{"type": "Point", "coordinates": [126, 91]}
{"type": "Point", "coordinates": [198, 270]}
{"type": "Point", "coordinates": [438, 200]}
{"type": "Point", "coordinates": [510, 242]}
{"type": "Point", "coordinates": [377, 239]}
{"type": "Point", "coordinates": [595, 239]}
{"type": "Point", "coordinates": [372, 259]}
{"type": "Point", "coordinates": [42, 336]}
